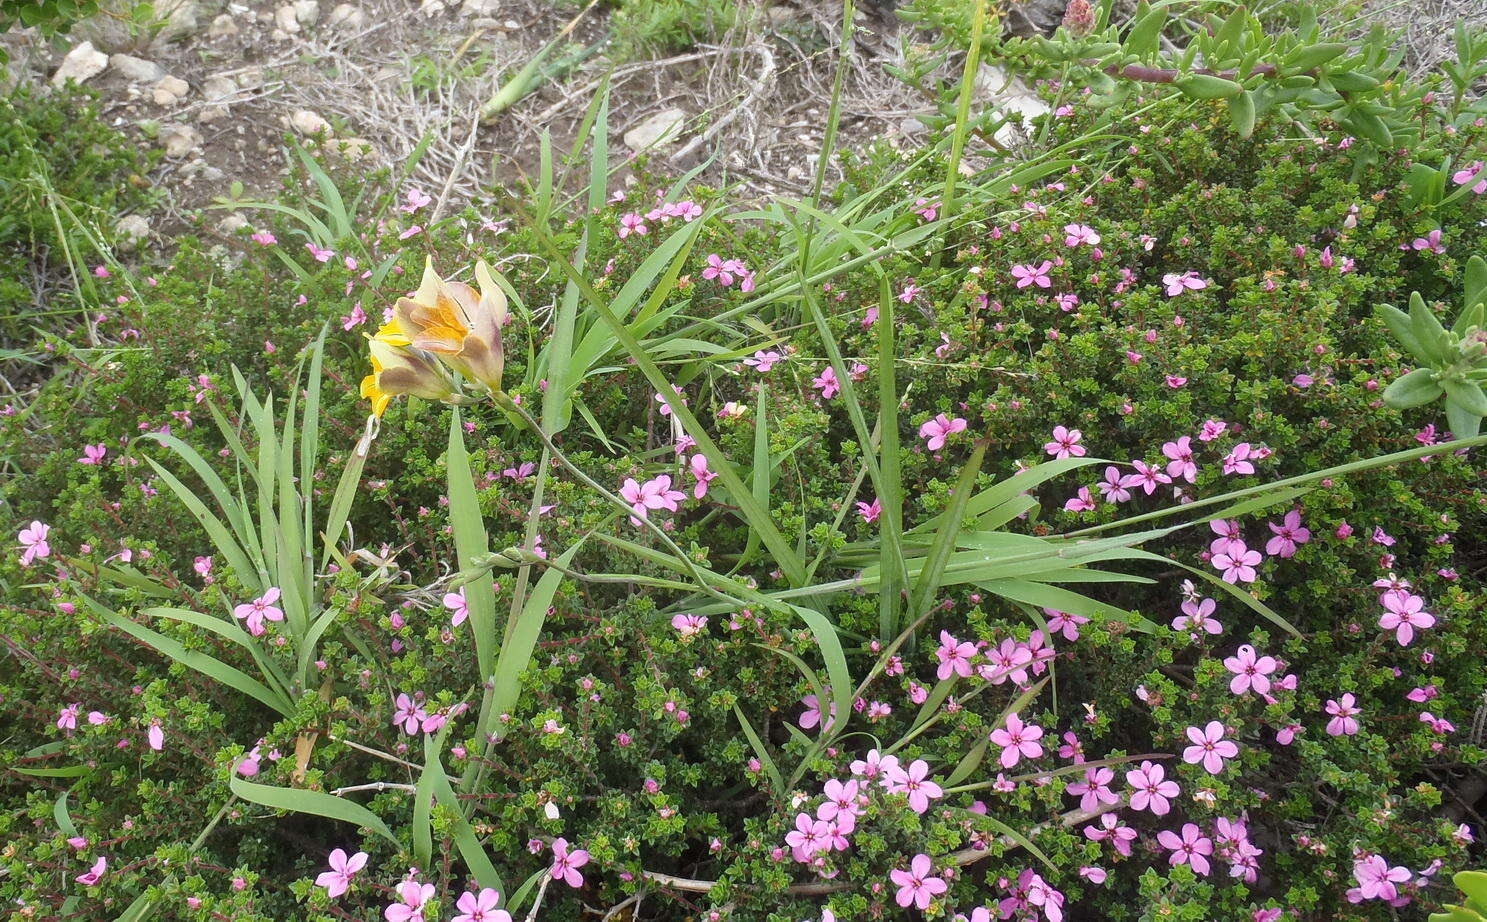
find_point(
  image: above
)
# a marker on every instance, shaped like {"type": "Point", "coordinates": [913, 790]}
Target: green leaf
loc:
{"type": "Point", "coordinates": [1428, 330]}
{"type": "Point", "coordinates": [1466, 395]}
{"type": "Point", "coordinates": [1415, 389]}
{"type": "Point", "coordinates": [1463, 423]}
{"type": "Point", "coordinates": [1472, 883]}
{"type": "Point", "coordinates": [1207, 86]}
{"type": "Point", "coordinates": [471, 545]}
{"type": "Point", "coordinates": [1400, 324]}
{"type": "Point", "coordinates": [765, 758]}
{"type": "Point", "coordinates": [315, 803]}
{"type": "Point", "coordinates": [1144, 35]}
{"type": "Point", "coordinates": [465, 840]}
{"type": "Point", "coordinates": [1474, 290]}
{"type": "Point", "coordinates": [1313, 56]}
{"type": "Point", "coordinates": [1242, 114]}
{"type": "Point", "coordinates": [933, 569]}
{"type": "Point", "coordinates": [522, 636]}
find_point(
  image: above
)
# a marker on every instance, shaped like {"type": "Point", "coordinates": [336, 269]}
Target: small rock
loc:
{"type": "Point", "coordinates": [170, 90]}
{"type": "Point", "coordinates": [911, 127]}
{"type": "Point", "coordinates": [218, 88]}
{"type": "Point", "coordinates": [347, 16]}
{"type": "Point", "coordinates": [308, 122]}
{"type": "Point", "coordinates": [432, 8]}
{"type": "Point", "coordinates": [660, 129]}
{"type": "Point", "coordinates": [179, 140]}
{"type": "Point", "coordinates": [211, 114]}
{"type": "Point", "coordinates": [222, 26]}
{"type": "Point", "coordinates": [136, 70]}
{"type": "Point", "coordinates": [180, 19]}
{"type": "Point", "coordinates": [286, 20]}
{"type": "Point", "coordinates": [480, 7]}
{"type": "Point", "coordinates": [232, 223]}
{"type": "Point", "coordinates": [131, 231]}
{"type": "Point", "coordinates": [82, 63]}
{"type": "Point", "coordinates": [351, 149]}
{"type": "Point", "coordinates": [306, 12]}
{"type": "Point", "coordinates": [1009, 93]}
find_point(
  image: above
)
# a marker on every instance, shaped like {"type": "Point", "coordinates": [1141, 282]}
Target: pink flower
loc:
{"type": "Point", "coordinates": [1191, 848]}
{"type": "Point", "coordinates": [155, 736]}
{"type": "Point", "coordinates": [1082, 501]}
{"type": "Point", "coordinates": [809, 836]}
{"type": "Point", "coordinates": [414, 200]}
{"type": "Point", "coordinates": [827, 383]}
{"type": "Point", "coordinates": [1431, 242]}
{"type": "Point", "coordinates": [93, 454]}
{"type": "Point", "coordinates": [632, 224]}
{"type": "Point", "coordinates": [480, 907]}
{"type": "Point", "coordinates": [1111, 828]}
{"type": "Point", "coordinates": [263, 238]}
{"type": "Point", "coordinates": [1113, 487]}
{"type": "Point", "coordinates": [1237, 563]}
{"type": "Point", "coordinates": [1470, 174]}
{"type": "Point", "coordinates": [409, 714]}
{"type": "Point", "coordinates": [458, 605]}
{"type": "Point", "coordinates": [1076, 234]}
{"type": "Point", "coordinates": [1287, 535]}
{"type": "Point", "coordinates": [1237, 460]}
{"type": "Point", "coordinates": [654, 494]}
{"type": "Point", "coordinates": [1150, 789]}
{"type": "Point", "coordinates": [910, 292]}
{"type": "Point", "coordinates": [1403, 612]}
{"type": "Point", "coordinates": [870, 511]}
{"type": "Point", "coordinates": [1094, 789]}
{"type": "Point", "coordinates": [1197, 616]}
{"type": "Point", "coordinates": [1250, 671]}
{"type": "Point", "coordinates": [720, 269]}
{"type": "Point", "coordinates": [356, 318]}
{"type": "Point", "coordinates": [1209, 747]}
{"type": "Point", "coordinates": [937, 430]}
{"type": "Point", "coordinates": [926, 209]}
{"type": "Point", "coordinates": [67, 717]}
{"type": "Point", "coordinates": [954, 656]}
{"type": "Point", "coordinates": [1018, 740]}
{"type": "Point", "coordinates": [412, 896]}
{"type": "Point", "coordinates": [874, 765]}
{"type": "Point", "coordinates": [1187, 281]}
{"type": "Point", "coordinates": [1180, 459]}
{"type": "Point", "coordinates": [34, 544]}
{"type": "Point", "coordinates": [913, 783]}
{"type": "Point", "coordinates": [1065, 622]}
{"type": "Point", "coordinates": [337, 880]}
{"type": "Point", "coordinates": [812, 715]}
{"type": "Point", "coordinates": [703, 476]}
{"type": "Point", "coordinates": [764, 360]}
{"type": "Point", "coordinates": [1212, 429]}
{"type": "Point", "coordinates": [565, 863]}
{"type": "Point", "coordinates": [94, 874]}
{"type": "Point", "coordinates": [1376, 880]}
{"type": "Point", "coordinates": [1344, 713]}
{"type": "Point", "coordinates": [261, 609]}
{"type": "Point", "coordinates": [321, 254]}
{"type": "Point", "coordinates": [1065, 443]}
{"type": "Point", "coordinates": [689, 625]}
{"type": "Point", "coordinates": [917, 885]}
{"type": "Point", "coordinates": [1147, 477]}
{"type": "Point", "coordinates": [1033, 275]}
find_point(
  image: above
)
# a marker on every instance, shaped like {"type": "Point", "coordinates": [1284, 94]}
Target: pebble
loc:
{"type": "Point", "coordinates": [83, 63]}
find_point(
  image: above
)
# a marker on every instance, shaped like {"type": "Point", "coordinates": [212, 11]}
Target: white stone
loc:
{"type": "Point", "coordinates": [657, 130]}
{"type": "Point", "coordinates": [170, 90]}
{"type": "Point", "coordinates": [82, 64]}
{"type": "Point", "coordinates": [136, 70]}
{"type": "Point", "coordinates": [179, 140]}
{"type": "Point", "coordinates": [219, 88]}
{"type": "Point", "coordinates": [347, 16]}
{"type": "Point", "coordinates": [286, 20]}
{"type": "Point", "coordinates": [308, 122]}
{"type": "Point", "coordinates": [222, 26]}
{"type": "Point", "coordinates": [232, 223]}
{"type": "Point", "coordinates": [480, 7]}
{"type": "Point", "coordinates": [1009, 93]}
{"type": "Point", "coordinates": [351, 149]}
{"type": "Point", "coordinates": [131, 231]}
{"type": "Point", "coordinates": [180, 19]}
{"type": "Point", "coordinates": [306, 12]}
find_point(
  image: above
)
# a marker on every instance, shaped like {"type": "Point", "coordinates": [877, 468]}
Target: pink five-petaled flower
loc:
{"type": "Point", "coordinates": [1075, 234]}
{"type": "Point", "coordinates": [764, 360]}
{"type": "Point", "coordinates": [1033, 275]}
{"type": "Point", "coordinates": [1065, 443]}
{"type": "Point", "coordinates": [1197, 616]}
{"type": "Point", "coordinates": [1250, 671]}
{"type": "Point", "coordinates": [1180, 459]}
{"type": "Point", "coordinates": [93, 454]}
{"type": "Point", "coordinates": [1237, 461]}
{"type": "Point", "coordinates": [632, 224]}
{"type": "Point", "coordinates": [1287, 535]}
{"type": "Point", "coordinates": [1151, 791]}
{"type": "Point", "coordinates": [1113, 487]}
{"type": "Point", "coordinates": [1111, 828]}
{"type": "Point", "coordinates": [918, 885]}
{"type": "Point", "coordinates": [703, 476]}
{"type": "Point", "coordinates": [1018, 740]}
{"type": "Point", "coordinates": [870, 511]}
{"type": "Point", "coordinates": [409, 714]}
{"type": "Point", "coordinates": [1094, 789]}
{"type": "Point", "coordinates": [337, 880]}
{"type": "Point", "coordinates": [1190, 848]}
{"type": "Point", "coordinates": [1082, 501]}
{"type": "Point", "coordinates": [913, 783]}
{"type": "Point", "coordinates": [812, 715]}
{"type": "Point", "coordinates": [688, 625]}
{"type": "Point", "coordinates": [565, 863]}
{"type": "Point", "coordinates": [1147, 477]}
{"type": "Point", "coordinates": [1209, 747]}
{"type": "Point", "coordinates": [1344, 713]}
{"type": "Point", "coordinates": [1403, 612]}
{"type": "Point", "coordinates": [1471, 175]}
{"type": "Point", "coordinates": [809, 836]}
{"type": "Point", "coordinates": [937, 430]}
{"type": "Point", "coordinates": [720, 269]}
{"type": "Point", "coordinates": [1237, 563]}
{"type": "Point", "coordinates": [34, 544]}
{"type": "Point", "coordinates": [1376, 880]}
{"type": "Point", "coordinates": [458, 606]}
{"type": "Point", "coordinates": [827, 383]}
{"type": "Point", "coordinates": [412, 896]}
{"type": "Point", "coordinates": [94, 874]}
{"type": "Point", "coordinates": [480, 907]}
{"type": "Point", "coordinates": [1187, 281]}
{"type": "Point", "coordinates": [259, 610]}
{"type": "Point", "coordinates": [653, 494]}
{"type": "Point", "coordinates": [954, 656]}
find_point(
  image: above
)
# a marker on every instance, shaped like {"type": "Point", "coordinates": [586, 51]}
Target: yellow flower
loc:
{"type": "Point", "coordinates": [397, 371]}
{"type": "Point", "coordinates": [454, 323]}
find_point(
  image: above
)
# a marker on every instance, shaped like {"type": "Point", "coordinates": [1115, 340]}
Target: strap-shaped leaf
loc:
{"type": "Point", "coordinates": [315, 803]}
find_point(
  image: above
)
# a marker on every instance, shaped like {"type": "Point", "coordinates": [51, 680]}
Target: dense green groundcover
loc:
{"type": "Point", "coordinates": [627, 738]}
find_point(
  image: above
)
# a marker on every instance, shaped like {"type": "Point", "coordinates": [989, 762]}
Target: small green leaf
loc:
{"type": "Point", "coordinates": [1242, 114]}
{"type": "Point", "coordinates": [1467, 395]}
{"type": "Point", "coordinates": [1415, 389]}
{"type": "Point", "coordinates": [315, 803]}
{"type": "Point", "coordinates": [1207, 86]}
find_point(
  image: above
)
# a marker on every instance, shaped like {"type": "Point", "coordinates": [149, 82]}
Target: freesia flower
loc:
{"type": "Point", "coordinates": [917, 886]}
{"type": "Point", "coordinates": [937, 430]}
{"type": "Point", "coordinates": [566, 862]}
{"type": "Point", "coordinates": [451, 321]}
{"type": "Point", "coordinates": [337, 880]}
{"type": "Point", "coordinates": [1209, 747]}
{"type": "Point", "coordinates": [401, 371]}
{"type": "Point", "coordinates": [261, 609]}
